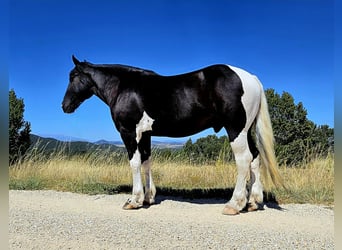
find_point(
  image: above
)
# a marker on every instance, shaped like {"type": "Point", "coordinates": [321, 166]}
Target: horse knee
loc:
{"type": "Point", "coordinates": [135, 161]}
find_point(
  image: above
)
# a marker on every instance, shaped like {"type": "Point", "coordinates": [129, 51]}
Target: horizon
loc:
{"type": "Point", "coordinates": [289, 46]}
{"type": "Point", "coordinates": [66, 138]}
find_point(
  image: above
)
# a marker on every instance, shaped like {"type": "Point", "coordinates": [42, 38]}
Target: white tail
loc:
{"type": "Point", "coordinates": [265, 142]}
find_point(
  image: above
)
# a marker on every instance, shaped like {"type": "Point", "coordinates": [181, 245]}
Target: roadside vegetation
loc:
{"type": "Point", "coordinates": [108, 172]}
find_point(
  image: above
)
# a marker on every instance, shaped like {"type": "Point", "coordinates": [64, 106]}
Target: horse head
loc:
{"type": "Point", "coordinates": [81, 86]}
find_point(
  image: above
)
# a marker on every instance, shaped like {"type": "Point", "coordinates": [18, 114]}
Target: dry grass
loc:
{"type": "Point", "coordinates": [312, 182]}
{"type": "Point", "coordinates": [59, 174]}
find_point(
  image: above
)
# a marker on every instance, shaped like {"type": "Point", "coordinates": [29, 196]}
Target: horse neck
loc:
{"type": "Point", "coordinates": [106, 88]}
{"type": "Point", "coordinates": [108, 77]}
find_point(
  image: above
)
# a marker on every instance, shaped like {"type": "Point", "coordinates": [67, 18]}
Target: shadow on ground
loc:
{"type": "Point", "coordinates": [199, 196]}
{"type": "Point", "coordinates": [209, 196]}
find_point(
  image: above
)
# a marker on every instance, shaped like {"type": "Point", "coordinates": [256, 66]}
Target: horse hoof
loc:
{"type": "Point", "coordinates": [252, 207]}
{"type": "Point", "coordinates": [129, 205]}
{"type": "Point", "coordinates": [229, 211]}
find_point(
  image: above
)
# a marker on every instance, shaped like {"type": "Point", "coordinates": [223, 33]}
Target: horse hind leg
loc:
{"type": "Point", "coordinates": [256, 189]}
{"type": "Point", "coordinates": [255, 186]}
{"type": "Point", "coordinates": [243, 158]}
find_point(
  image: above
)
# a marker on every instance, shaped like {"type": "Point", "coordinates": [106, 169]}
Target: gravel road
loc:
{"type": "Point", "coordinates": [59, 220]}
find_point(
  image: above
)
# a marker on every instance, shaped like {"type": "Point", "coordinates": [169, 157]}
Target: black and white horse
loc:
{"type": "Point", "coordinates": [144, 104]}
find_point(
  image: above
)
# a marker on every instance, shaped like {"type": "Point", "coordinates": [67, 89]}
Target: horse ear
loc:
{"type": "Point", "coordinates": [74, 59]}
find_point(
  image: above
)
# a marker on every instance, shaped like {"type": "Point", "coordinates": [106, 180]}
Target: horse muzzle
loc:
{"type": "Point", "coordinates": [70, 104]}
{"type": "Point", "coordinates": [70, 107]}
{"type": "Point", "coordinates": [67, 109]}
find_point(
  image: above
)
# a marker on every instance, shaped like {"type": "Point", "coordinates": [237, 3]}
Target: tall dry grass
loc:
{"type": "Point", "coordinates": [104, 172]}
{"type": "Point", "coordinates": [309, 182]}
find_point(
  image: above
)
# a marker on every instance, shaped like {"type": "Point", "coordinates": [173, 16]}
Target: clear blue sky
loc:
{"type": "Point", "coordinates": [289, 45]}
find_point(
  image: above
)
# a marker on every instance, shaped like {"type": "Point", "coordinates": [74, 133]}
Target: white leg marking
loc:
{"type": "Point", "coordinates": [144, 124]}
{"type": "Point", "coordinates": [138, 191]}
{"type": "Point", "coordinates": [256, 195]}
{"type": "Point", "coordinates": [150, 190]}
{"type": "Point", "coordinates": [243, 158]}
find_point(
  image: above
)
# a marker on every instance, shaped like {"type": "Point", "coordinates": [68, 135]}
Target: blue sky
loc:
{"type": "Point", "coordinates": [289, 45]}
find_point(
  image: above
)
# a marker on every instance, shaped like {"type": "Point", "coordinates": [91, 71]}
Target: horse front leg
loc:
{"type": "Point", "coordinates": [138, 145]}
{"type": "Point", "coordinates": [137, 198]}
{"type": "Point", "coordinates": [150, 190]}
{"type": "Point", "coordinates": [134, 156]}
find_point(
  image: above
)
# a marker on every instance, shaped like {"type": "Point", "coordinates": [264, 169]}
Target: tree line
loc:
{"type": "Point", "coordinates": [296, 137]}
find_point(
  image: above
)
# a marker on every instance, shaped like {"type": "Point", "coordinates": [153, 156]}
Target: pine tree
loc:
{"type": "Point", "coordinates": [19, 129]}
{"type": "Point", "coordinates": [295, 135]}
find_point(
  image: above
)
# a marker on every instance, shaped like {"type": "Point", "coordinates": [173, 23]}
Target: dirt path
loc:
{"type": "Point", "coordinates": [56, 220]}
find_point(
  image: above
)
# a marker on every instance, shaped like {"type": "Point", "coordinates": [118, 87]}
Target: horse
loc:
{"type": "Point", "coordinates": [143, 104]}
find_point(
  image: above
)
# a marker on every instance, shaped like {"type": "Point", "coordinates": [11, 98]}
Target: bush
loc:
{"type": "Point", "coordinates": [19, 129]}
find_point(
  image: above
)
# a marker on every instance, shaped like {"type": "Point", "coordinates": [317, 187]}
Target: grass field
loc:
{"type": "Point", "coordinates": [109, 172]}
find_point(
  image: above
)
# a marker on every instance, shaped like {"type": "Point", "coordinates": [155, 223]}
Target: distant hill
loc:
{"type": "Point", "coordinates": [156, 144]}
{"type": "Point", "coordinates": [66, 138]}
{"type": "Point", "coordinates": [167, 144]}
{"type": "Point", "coordinates": [49, 145]}
{"type": "Point", "coordinates": [104, 142]}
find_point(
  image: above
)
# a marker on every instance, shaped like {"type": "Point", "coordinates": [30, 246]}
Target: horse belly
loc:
{"type": "Point", "coordinates": [182, 128]}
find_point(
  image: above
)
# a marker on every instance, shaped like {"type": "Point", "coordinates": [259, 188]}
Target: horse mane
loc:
{"type": "Point", "coordinates": [122, 68]}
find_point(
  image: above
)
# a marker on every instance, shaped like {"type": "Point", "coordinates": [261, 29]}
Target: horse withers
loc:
{"type": "Point", "coordinates": [144, 104]}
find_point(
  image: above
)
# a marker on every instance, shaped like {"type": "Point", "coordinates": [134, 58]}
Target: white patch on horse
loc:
{"type": "Point", "coordinates": [251, 96]}
{"type": "Point", "coordinates": [144, 124]}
